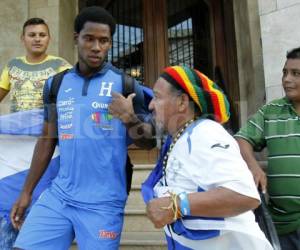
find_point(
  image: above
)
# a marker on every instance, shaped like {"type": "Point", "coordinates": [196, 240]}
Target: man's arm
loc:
{"type": "Point", "coordinates": [142, 133]}
{"type": "Point", "coordinates": [3, 93]}
{"type": "Point", "coordinates": [4, 83]}
{"type": "Point", "coordinates": [42, 155]}
{"type": "Point", "coordinates": [219, 202]}
{"type": "Point", "coordinates": [248, 155]}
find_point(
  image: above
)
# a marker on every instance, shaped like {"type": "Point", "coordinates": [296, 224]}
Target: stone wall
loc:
{"type": "Point", "coordinates": [12, 16]}
{"type": "Point", "coordinates": [67, 12]}
{"type": "Point", "coordinates": [60, 15]}
{"type": "Point", "coordinates": [280, 32]}
{"type": "Point", "coordinates": [249, 57]}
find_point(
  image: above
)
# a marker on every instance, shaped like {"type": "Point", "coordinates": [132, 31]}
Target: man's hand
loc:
{"type": "Point", "coordinates": [260, 178]}
{"type": "Point", "coordinates": [19, 209]}
{"type": "Point", "coordinates": [141, 133]}
{"type": "Point", "coordinates": [122, 107]}
{"type": "Point", "coordinates": [157, 214]}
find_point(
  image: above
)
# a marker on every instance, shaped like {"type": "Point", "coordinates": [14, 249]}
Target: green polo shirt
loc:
{"type": "Point", "coordinates": [276, 126]}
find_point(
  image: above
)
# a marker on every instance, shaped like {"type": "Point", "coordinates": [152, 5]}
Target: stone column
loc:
{"type": "Point", "coordinates": [249, 54]}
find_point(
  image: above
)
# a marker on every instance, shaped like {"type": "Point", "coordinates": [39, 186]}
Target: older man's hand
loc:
{"type": "Point", "coordinates": [157, 214]}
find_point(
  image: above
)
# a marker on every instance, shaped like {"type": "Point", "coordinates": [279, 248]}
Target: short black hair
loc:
{"type": "Point", "coordinates": [34, 21]}
{"type": "Point", "coordinates": [293, 53]}
{"type": "Point", "coordinates": [95, 14]}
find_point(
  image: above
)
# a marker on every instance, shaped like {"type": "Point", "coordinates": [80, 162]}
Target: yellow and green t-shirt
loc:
{"type": "Point", "coordinates": [25, 80]}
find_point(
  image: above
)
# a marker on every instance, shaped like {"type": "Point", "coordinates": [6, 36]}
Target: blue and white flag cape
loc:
{"type": "Point", "coordinates": [18, 135]}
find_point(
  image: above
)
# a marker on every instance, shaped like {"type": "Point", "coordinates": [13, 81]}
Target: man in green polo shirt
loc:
{"type": "Point", "coordinates": [276, 126]}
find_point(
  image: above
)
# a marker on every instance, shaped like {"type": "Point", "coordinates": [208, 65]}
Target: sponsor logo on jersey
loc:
{"type": "Point", "coordinates": [66, 126]}
{"type": "Point", "coordinates": [66, 136]}
{"type": "Point", "coordinates": [66, 116]}
{"type": "Point", "coordinates": [108, 234]}
{"type": "Point", "coordinates": [64, 103]}
{"type": "Point", "coordinates": [66, 109]}
{"type": "Point", "coordinates": [219, 145]}
{"type": "Point", "coordinates": [102, 120]}
{"type": "Point", "coordinates": [99, 105]}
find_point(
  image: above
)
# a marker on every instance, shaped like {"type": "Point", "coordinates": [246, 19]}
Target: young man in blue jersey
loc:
{"type": "Point", "coordinates": [87, 198]}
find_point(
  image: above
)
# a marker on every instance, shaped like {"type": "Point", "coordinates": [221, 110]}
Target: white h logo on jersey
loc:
{"type": "Point", "coordinates": [105, 87]}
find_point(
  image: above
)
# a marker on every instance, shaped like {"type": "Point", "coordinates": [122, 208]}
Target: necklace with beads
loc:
{"type": "Point", "coordinates": [179, 133]}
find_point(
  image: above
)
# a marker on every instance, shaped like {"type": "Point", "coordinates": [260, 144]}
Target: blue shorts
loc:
{"type": "Point", "coordinates": [8, 234]}
{"type": "Point", "coordinates": [53, 224]}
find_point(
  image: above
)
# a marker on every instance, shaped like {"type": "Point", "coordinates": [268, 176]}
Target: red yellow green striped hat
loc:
{"type": "Point", "coordinates": [204, 92]}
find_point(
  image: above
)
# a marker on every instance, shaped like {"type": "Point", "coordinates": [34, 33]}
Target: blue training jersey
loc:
{"type": "Point", "coordinates": [92, 143]}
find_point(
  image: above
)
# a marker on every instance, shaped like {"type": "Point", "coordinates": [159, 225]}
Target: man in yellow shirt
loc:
{"type": "Point", "coordinates": [24, 77]}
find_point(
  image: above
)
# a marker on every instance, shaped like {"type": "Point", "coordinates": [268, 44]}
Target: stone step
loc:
{"type": "Point", "coordinates": [135, 220]}
{"type": "Point", "coordinates": [135, 199]}
{"type": "Point", "coordinates": [140, 156]}
{"type": "Point", "coordinates": [143, 241]}
{"type": "Point", "coordinates": [140, 173]}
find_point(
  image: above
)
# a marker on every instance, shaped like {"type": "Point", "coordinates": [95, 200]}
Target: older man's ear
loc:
{"type": "Point", "coordinates": [183, 103]}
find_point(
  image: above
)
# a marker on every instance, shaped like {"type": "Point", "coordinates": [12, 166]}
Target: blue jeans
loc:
{"type": "Point", "coordinates": [8, 234]}
{"type": "Point", "coordinates": [290, 241]}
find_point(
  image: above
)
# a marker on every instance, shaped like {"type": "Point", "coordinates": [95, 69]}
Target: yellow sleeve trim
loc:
{"type": "Point", "coordinates": [4, 79]}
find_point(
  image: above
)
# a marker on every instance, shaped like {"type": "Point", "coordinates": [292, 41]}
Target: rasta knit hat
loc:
{"type": "Point", "coordinates": [204, 92]}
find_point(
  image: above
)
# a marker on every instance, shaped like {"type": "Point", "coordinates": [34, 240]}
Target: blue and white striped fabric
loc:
{"type": "Point", "coordinates": [18, 136]}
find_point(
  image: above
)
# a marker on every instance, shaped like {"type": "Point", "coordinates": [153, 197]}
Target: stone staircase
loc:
{"type": "Point", "coordinates": [138, 232]}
